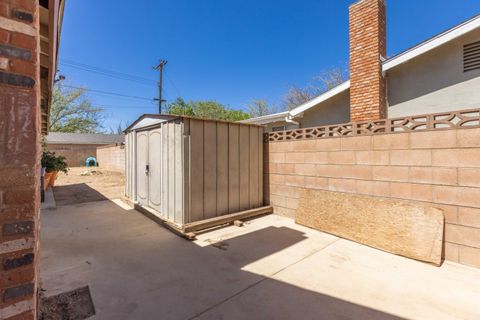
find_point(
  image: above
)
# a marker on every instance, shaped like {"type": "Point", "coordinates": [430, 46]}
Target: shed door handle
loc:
{"type": "Point", "coordinates": [147, 169]}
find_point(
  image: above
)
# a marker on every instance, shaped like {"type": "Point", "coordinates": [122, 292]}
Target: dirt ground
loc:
{"type": "Point", "coordinates": [86, 185]}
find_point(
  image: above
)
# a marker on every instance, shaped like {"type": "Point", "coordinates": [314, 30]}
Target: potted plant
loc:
{"type": "Point", "coordinates": [52, 164]}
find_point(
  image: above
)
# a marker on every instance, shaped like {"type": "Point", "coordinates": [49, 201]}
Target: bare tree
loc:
{"type": "Point", "coordinates": [120, 128]}
{"type": "Point", "coordinates": [322, 83]}
{"type": "Point", "coordinates": [297, 96]}
{"type": "Point", "coordinates": [331, 78]}
{"type": "Point", "coordinates": [259, 107]}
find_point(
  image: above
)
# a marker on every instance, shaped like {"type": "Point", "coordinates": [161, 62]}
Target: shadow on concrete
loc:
{"type": "Point", "coordinates": [138, 270]}
{"type": "Point", "coordinates": [76, 193]}
{"type": "Point", "coordinates": [272, 299]}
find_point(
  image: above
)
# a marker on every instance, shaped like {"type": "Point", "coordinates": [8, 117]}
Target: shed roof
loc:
{"type": "Point", "coordinates": [83, 138]}
{"type": "Point", "coordinates": [148, 120]}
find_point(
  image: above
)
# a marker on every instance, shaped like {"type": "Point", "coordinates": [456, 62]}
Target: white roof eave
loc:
{"type": "Point", "coordinates": [323, 97]}
{"type": "Point", "coordinates": [266, 119]}
{"type": "Point", "coordinates": [422, 48]}
{"type": "Point", "coordinates": [433, 43]}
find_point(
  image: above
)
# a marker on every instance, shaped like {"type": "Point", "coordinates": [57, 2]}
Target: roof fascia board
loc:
{"type": "Point", "coordinates": [323, 97]}
{"type": "Point", "coordinates": [422, 48]}
{"type": "Point", "coordinates": [433, 43]}
{"type": "Point", "coordinates": [266, 119]}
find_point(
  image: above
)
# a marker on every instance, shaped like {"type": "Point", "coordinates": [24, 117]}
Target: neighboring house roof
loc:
{"type": "Point", "coordinates": [430, 44]}
{"type": "Point", "coordinates": [83, 138]}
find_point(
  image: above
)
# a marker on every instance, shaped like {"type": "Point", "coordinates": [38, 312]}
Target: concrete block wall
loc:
{"type": "Point", "coordinates": [438, 168]}
{"type": "Point", "coordinates": [75, 154]}
{"type": "Point", "coordinates": [111, 157]}
{"type": "Point", "coordinates": [19, 157]}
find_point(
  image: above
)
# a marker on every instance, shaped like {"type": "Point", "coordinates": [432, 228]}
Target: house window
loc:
{"type": "Point", "coordinates": [471, 56]}
{"type": "Point", "coordinates": [280, 128]}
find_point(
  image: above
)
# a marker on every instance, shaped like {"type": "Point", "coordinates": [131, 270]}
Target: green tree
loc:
{"type": "Point", "coordinates": [236, 115]}
{"type": "Point", "coordinates": [180, 107]}
{"type": "Point", "coordinates": [71, 111]}
{"type": "Point", "coordinates": [208, 109]}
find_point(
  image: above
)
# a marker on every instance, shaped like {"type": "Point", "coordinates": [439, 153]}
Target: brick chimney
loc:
{"type": "Point", "coordinates": [367, 49]}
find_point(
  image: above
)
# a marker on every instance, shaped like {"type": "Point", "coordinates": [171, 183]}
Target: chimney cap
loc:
{"type": "Point", "coordinates": [359, 1]}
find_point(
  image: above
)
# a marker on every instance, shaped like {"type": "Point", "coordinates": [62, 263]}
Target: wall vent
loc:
{"type": "Point", "coordinates": [471, 56]}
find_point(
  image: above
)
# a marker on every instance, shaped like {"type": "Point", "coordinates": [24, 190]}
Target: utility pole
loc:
{"type": "Point", "coordinates": [159, 68]}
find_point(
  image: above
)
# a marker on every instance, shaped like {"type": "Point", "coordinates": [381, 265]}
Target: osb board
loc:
{"type": "Point", "coordinates": [401, 228]}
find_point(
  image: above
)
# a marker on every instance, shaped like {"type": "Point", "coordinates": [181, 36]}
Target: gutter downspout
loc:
{"type": "Point", "coordinates": [289, 118]}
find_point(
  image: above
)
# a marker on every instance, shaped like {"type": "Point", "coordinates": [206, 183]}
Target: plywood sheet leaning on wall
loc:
{"type": "Point", "coordinates": [409, 230]}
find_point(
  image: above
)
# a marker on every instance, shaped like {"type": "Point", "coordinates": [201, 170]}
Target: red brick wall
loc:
{"type": "Point", "coordinates": [367, 45]}
{"type": "Point", "coordinates": [438, 168]}
{"type": "Point", "coordinates": [19, 157]}
{"type": "Point", "coordinates": [111, 157]}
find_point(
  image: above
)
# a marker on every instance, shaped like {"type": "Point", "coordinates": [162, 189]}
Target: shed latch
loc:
{"type": "Point", "coordinates": [147, 169]}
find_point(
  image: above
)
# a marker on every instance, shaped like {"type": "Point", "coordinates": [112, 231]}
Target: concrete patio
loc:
{"type": "Point", "coordinates": [269, 269]}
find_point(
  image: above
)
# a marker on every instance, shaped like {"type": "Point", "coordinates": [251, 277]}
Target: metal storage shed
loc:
{"type": "Point", "coordinates": [185, 170]}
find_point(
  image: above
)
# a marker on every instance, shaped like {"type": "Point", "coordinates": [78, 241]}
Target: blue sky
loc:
{"type": "Point", "coordinates": [231, 51]}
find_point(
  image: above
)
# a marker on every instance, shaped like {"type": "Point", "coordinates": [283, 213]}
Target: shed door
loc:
{"type": "Point", "coordinates": [155, 174]}
{"type": "Point", "coordinates": [142, 169]}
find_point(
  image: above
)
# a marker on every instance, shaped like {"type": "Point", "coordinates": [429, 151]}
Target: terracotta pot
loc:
{"type": "Point", "coordinates": [47, 179]}
{"type": "Point", "coordinates": [53, 178]}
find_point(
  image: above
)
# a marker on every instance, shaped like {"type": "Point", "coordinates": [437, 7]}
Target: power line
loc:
{"type": "Point", "coordinates": [107, 75]}
{"type": "Point", "coordinates": [108, 93]}
{"type": "Point", "coordinates": [106, 106]}
{"type": "Point", "coordinates": [107, 72]}
{"type": "Point", "coordinates": [174, 86]}
{"type": "Point", "coordinates": [87, 66]}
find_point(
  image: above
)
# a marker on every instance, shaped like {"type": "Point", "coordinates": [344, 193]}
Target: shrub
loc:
{"type": "Point", "coordinates": [51, 162]}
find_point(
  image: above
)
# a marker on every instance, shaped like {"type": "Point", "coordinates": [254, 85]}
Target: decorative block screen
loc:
{"type": "Point", "coordinates": [437, 121]}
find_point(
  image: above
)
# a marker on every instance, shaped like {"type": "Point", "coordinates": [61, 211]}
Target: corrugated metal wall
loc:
{"type": "Point", "coordinates": [208, 169]}
{"type": "Point", "coordinates": [129, 165]}
{"type": "Point", "coordinates": [172, 172]}
{"type": "Point", "coordinates": [224, 168]}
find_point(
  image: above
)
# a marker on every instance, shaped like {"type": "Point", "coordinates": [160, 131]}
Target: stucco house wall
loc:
{"type": "Point", "coordinates": [431, 83]}
{"type": "Point", "coordinates": [434, 82]}
{"type": "Point", "coordinates": [333, 111]}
